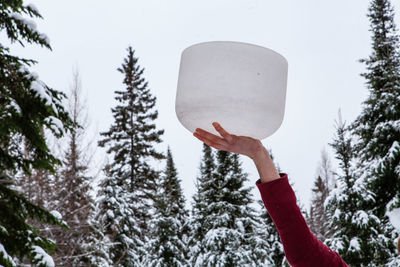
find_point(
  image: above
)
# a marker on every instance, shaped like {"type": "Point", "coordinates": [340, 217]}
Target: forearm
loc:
{"type": "Point", "coordinates": [265, 166]}
{"type": "Point", "coordinates": [301, 247]}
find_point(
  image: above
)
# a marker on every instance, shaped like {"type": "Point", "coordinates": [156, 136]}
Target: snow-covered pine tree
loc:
{"type": "Point", "coordinates": [199, 203]}
{"type": "Point", "coordinates": [26, 106]}
{"type": "Point", "coordinates": [356, 231]}
{"type": "Point", "coordinates": [73, 186]}
{"type": "Point", "coordinates": [130, 182]}
{"type": "Point", "coordinates": [378, 126]}
{"type": "Point", "coordinates": [269, 249]}
{"type": "Point", "coordinates": [318, 219]}
{"type": "Point", "coordinates": [99, 245]}
{"type": "Point", "coordinates": [168, 245]}
{"type": "Point", "coordinates": [121, 243]}
{"type": "Point", "coordinates": [228, 220]}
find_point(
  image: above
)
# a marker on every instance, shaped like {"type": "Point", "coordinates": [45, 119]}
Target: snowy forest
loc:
{"type": "Point", "coordinates": [52, 213]}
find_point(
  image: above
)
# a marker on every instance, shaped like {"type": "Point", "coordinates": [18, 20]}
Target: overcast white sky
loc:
{"type": "Point", "coordinates": [322, 41]}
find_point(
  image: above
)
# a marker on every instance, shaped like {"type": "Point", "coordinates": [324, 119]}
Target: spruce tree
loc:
{"type": "Point", "coordinates": [200, 200]}
{"type": "Point", "coordinates": [377, 127]}
{"type": "Point", "coordinates": [130, 182]}
{"type": "Point", "coordinates": [228, 222]}
{"type": "Point", "coordinates": [98, 244]}
{"type": "Point", "coordinates": [168, 246]}
{"type": "Point", "coordinates": [270, 249]}
{"type": "Point", "coordinates": [356, 231]}
{"type": "Point", "coordinates": [120, 228]}
{"type": "Point", "coordinates": [27, 105]}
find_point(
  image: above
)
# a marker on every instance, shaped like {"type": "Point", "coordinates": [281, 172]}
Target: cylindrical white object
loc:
{"type": "Point", "coordinates": [241, 86]}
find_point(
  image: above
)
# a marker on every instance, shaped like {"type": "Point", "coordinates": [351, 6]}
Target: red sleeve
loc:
{"type": "Point", "coordinates": [302, 248]}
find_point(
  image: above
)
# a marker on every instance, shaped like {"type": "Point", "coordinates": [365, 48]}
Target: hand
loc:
{"type": "Point", "coordinates": [244, 145]}
{"type": "Point", "coordinates": [229, 142]}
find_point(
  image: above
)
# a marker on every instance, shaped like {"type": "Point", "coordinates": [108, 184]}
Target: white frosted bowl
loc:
{"type": "Point", "coordinates": [241, 86]}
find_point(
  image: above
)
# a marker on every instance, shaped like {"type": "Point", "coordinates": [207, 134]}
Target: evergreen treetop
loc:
{"type": "Point", "coordinates": [172, 193]}
{"type": "Point", "coordinates": [378, 124]}
{"type": "Point", "coordinates": [132, 136]}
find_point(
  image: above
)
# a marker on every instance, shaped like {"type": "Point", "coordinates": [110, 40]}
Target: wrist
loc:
{"type": "Point", "coordinates": [259, 152]}
{"type": "Point", "coordinates": [265, 166]}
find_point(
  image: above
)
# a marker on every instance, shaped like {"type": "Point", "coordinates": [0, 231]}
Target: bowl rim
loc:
{"type": "Point", "coordinates": [236, 43]}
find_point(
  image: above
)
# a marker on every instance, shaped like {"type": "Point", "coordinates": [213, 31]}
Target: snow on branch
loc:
{"type": "Point", "coordinates": [394, 217]}
{"type": "Point", "coordinates": [4, 255]}
{"type": "Point", "coordinates": [42, 257]}
{"type": "Point", "coordinates": [32, 7]}
{"type": "Point", "coordinates": [29, 24]}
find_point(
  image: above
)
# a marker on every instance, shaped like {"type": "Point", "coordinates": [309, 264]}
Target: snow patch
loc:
{"type": "Point", "coordinates": [337, 244]}
{"type": "Point", "coordinates": [110, 214]}
{"type": "Point", "coordinates": [45, 37]}
{"type": "Point", "coordinates": [360, 218]}
{"type": "Point", "coordinates": [57, 123]}
{"type": "Point", "coordinates": [32, 75]}
{"type": "Point", "coordinates": [354, 244]}
{"type": "Point", "coordinates": [5, 255]}
{"type": "Point", "coordinates": [56, 214]}
{"type": "Point", "coordinates": [38, 87]}
{"type": "Point", "coordinates": [240, 226]}
{"type": "Point", "coordinates": [43, 257]}
{"type": "Point", "coordinates": [3, 229]}
{"type": "Point", "coordinates": [33, 7]}
{"type": "Point", "coordinates": [336, 214]}
{"type": "Point", "coordinates": [394, 218]}
{"type": "Point", "coordinates": [393, 149]}
{"type": "Point", "coordinates": [28, 22]}
{"type": "Point", "coordinates": [14, 106]}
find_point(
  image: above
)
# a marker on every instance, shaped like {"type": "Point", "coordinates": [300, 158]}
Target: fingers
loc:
{"type": "Point", "coordinates": [207, 141]}
{"type": "Point", "coordinates": [222, 132]}
{"type": "Point", "coordinates": [210, 139]}
{"type": "Point", "coordinates": [214, 140]}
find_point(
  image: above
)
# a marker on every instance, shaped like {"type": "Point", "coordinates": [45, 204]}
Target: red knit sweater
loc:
{"type": "Point", "coordinates": [302, 247]}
